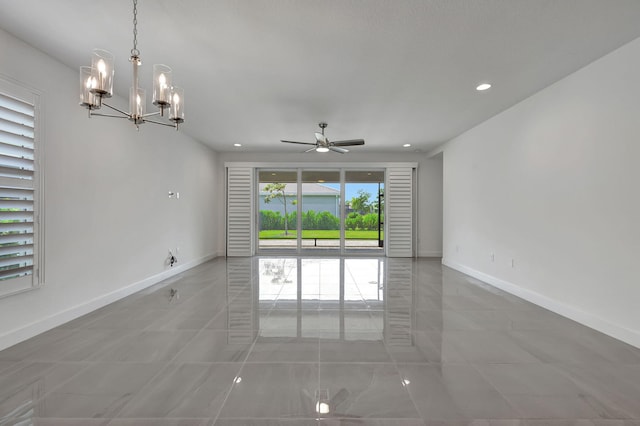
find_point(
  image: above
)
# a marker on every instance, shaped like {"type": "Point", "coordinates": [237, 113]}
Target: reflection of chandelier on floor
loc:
{"type": "Point", "coordinates": [96, 83]}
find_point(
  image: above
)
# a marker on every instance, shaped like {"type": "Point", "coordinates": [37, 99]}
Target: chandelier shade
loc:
{"type": "Point", "coordinates": [87, 83]}
{"type": "Point", "coordinates": [137, 104]}
{"type": "Point", "coordinates": [96, 84]}
{"type": "Point", "coordinates": [102, 73]}
{"type": "Point", "coordinates": [176, 112]}
{"type": "Point", "coordinates": [161, 86]}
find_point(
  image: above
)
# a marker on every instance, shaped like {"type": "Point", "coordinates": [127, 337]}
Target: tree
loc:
{"type": "Point", "coordinates": [276, 191]}
{"type": "Point", "coordinates": [353, 221]}
{"type": "Point", "coordinates": [325, 220]}
{"type": "Point", "coordinates": [270, 220]}
{"type": "Point", "coordinates": [370, 221]}
{"type": "Point", "coordinates": [361, 203]}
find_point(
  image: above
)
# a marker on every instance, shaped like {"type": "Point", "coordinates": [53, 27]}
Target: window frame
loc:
{"type": "Point", "coordinates": [23, 93]}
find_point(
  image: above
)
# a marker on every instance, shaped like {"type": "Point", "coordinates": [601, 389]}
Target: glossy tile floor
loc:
{"type": "Point", "coordinates": [303, 341]}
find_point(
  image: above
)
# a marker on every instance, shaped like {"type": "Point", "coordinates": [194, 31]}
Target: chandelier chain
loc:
{"type": "Point", "coordinates": [135, 52]}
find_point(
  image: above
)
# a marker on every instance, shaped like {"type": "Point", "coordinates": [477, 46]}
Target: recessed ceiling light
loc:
{"type": "Point", "coordinates": [237, 144]}
{"type": "Point", "coordinates": [273, 174]}
{"type": "Point", "coordinates": [321, 180]}
{"type": "Point", "coordinates": [483, 86]}
{"type": "Point", "coordinates": [406, 145]}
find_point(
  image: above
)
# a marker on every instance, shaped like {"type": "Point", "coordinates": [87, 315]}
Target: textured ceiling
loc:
{"type": "Point", "coordinates": [391, 72]}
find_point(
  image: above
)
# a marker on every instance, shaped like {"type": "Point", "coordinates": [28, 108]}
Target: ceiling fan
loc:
{"type": "Point", "coordinates": [323, 144]}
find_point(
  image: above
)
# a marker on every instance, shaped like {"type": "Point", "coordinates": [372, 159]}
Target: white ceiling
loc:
{"type": "Point", "coordinates": [389, 71]}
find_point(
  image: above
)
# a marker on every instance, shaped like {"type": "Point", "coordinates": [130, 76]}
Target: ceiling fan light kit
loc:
{"type": "Point", "coordinates": [96, 84]}
{"type": "Point", "coordinates": [323, 144]}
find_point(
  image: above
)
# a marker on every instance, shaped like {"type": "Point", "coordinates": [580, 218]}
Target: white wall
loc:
{"type": "Point", "coordinates": [108, 221]}
{"type": "Point", "coordinates": [429, 185]}
{"type": "Point", "coordinates": [553, 183]}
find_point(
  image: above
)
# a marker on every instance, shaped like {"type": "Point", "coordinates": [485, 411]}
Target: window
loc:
{"type": "Point", "coordinates": [341, 210]}
{"type": "Point", "coordinates": [19, 190]}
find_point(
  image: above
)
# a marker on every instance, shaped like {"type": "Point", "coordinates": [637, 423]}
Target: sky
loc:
{"type": "Point", "coordinates": [351, 189]}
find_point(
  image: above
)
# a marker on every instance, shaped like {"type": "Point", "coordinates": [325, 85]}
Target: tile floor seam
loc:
{"type": "Point", "coordinates": [167, 368]}
{"type": "Point", "coordinates": [405, 387]}
{"type": "Point", "coordinates": [169, 363]}
{"type": "Point", "coordinates": [495, 388]}
{"type": "Point", "coordinates": [202, 290]}
{"type": "Point", "coordinates": [64, 382]}
{"type": "Point", "coordinates": [582, 388]}
{"type": "Point", "coordinates": [598, 396]}
{"type": "Point", "coordinates": [233, 383]}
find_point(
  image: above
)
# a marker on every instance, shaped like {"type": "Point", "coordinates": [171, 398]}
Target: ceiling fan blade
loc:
{"type": "Point", "coordinates": [350, 142]}
{"type": "Point", "coordinates": [322, 139]}
{"type": "Point", "coordinates": [311, 149]}
{"type": "Point", "coordinates": [340, 150]}
{"type": "Point", "coordinates": [301, 143]}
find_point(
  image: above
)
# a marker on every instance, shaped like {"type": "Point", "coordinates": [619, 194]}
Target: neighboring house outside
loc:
{"type": "Point", "coordinates": [315, 197]}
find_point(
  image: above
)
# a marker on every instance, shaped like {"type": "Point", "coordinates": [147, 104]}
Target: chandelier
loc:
{"type": "Point", "coordinates": [96, 84]}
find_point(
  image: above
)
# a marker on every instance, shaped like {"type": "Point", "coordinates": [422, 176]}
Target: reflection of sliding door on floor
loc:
{"type": "Point", "coordinates": [324, 297]}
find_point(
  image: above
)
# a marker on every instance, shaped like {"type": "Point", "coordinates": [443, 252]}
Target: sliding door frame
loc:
{"type": "Point", "coordinates": [343, 168]}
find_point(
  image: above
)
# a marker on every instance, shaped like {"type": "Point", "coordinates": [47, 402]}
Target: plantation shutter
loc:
{"type": "Point", "coordinates": [399, 317]}
{"type": "Point", "coordinates": [241, 318]}
{"type": "Point", "coordinates": [399, 212]}
{"type": "Point", "coordinates": [239, 211]}
{"type": "Point", "coordinates": [17, 189]}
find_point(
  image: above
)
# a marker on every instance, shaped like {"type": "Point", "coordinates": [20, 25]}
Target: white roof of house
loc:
{"type": "Point", "coordinates": [307, 189]}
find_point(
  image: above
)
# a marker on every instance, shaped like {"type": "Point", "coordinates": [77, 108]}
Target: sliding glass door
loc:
{"type": "Point", "coordinates": [277, 209]}
{"type": "Point", "coordinates": [321, 211]}
{"type": "Point", "coordinates": [364, 214]}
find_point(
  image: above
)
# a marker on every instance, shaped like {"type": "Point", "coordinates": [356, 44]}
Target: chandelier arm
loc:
{"type": "Point", "coordinates": [160, 123]}
{"type": "Point", "coordinates": [116, 109]}
{"type": "Point", "coordinates": [151, 114]}
{"type": "Point", "coordinates": [107, 115]}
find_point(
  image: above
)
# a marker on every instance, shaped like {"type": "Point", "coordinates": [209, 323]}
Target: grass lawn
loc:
{"type": "Point", "coordinates": [320, 234]}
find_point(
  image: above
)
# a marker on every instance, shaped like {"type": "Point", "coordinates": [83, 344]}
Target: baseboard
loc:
{"type": "Point", "coordinates": [16, 336]}
{"type": "Point", "coordinates": [626, 335]}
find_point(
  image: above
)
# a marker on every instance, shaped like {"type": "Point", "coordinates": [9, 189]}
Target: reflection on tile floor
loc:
{"type": "Point", "coordinates": [321, 341]}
